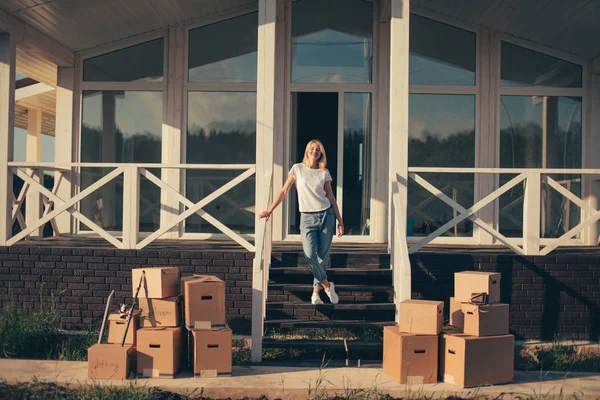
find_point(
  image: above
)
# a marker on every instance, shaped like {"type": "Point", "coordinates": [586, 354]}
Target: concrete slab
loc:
{"type": "Point", "coordinates": [289, 382]}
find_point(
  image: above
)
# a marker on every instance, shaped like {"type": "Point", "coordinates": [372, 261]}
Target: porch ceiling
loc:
{"type": "Point", "coordinates": [81, 25]}
{"type": "Point", "coordinates": [569, 26]}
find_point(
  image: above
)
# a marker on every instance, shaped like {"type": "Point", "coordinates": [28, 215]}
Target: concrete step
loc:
{"type": "Point", "coordinates": [338, 344]}
{"type": "Point", "coordinates": [295, 287]}
{"type": "Point", "coordinates": [328, 311]}
{"type": "Point", "coordinates": [300, 324]}
{"type": "Point", "coordinates": [336, 260]}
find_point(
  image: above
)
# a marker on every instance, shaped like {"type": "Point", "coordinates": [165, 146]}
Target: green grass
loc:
{"type": "Point", "coordinates": [558, 357]}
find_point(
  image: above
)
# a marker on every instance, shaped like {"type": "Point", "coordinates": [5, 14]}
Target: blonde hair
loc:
{"type": "Point", "coordinates": [322, 162]}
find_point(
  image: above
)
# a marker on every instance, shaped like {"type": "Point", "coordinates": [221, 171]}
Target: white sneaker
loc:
{"type": "Point", "coordinates": [316, 300]}
{"type": "Point", "coordinates": [332, 294]}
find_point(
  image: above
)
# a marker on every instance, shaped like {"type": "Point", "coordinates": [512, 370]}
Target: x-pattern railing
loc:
{"type": "Point", "coordinates": [131, 178]}
{"type": "Point", "coordinates": [532, 180]}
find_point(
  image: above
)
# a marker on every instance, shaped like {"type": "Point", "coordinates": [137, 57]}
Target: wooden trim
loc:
{"type": "Point", "coordinates": [122, 44]}
{"type": "Point", "coordinates": [33, 149]}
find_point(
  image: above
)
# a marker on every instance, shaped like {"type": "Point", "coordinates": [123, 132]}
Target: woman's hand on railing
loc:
{"type": "Point", "coordinates": [265, 214]}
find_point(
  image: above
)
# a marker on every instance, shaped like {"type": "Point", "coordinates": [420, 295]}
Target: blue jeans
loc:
{"type": "Point", "coordinates": [317, 231]}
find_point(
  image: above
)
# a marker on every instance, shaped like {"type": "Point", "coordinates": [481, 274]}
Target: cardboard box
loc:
{"type": "Point", "coordinates": [485, 320]}
{"type": "Point", "coordinates": [470, 361]}
{"type": "Point", "coordinates": [468, 282]}
{"type": "Point", "coordinates": [212, 352]}
{"type": "Point", "coordinates": [160, 312]}
{"type": "Point", "coordinates": [423, 317]}
{"type": "Point", "coordinates": [116, 328]}
{"type": "Point", "coordinates": [203, 302]}
{"type": "Point", "coordinates": [159, 352]}
{"type": "Point", "coordinates": [110, 361]}
{"type": "Point", "coordinates": [410, 358]}
{"type": "Point", "coordinates": [159, 282]}
{"type": "Point", "coordinates": [457, 319]}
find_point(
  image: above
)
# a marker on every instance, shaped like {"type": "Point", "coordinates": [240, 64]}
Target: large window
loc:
{"type": "Point", "coordinates": [221, 120]}
{"type": "Point", "coordinates": [441, 126]}
{"type": "Point", "coordinates": [332, 41]}
{"type": "Point", "coordinates": [122, 126]}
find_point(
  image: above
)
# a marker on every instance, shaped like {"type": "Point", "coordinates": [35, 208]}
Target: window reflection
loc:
{"type": "Point", "coordinates": [441, 134]}
{"type": "Point", "coordinates": [332, 41]}
{"type": "Point", "coordinates": [225, 51]}
{"type": "Point", "coordinates": [141, 63]}
{"type": "Point", "coordinates": [221, 129]}
{"type": "Point", "coordinates": [524, 67]}
{"type": "Point", "coordinates": [540, 132]}
{"type": "Point", "coordinates": [120, 127]}
{"type": "Point", "coordinates": [441, 54]}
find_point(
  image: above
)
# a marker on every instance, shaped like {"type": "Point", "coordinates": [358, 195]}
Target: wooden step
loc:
{"type": "Point", "coordinates": [343, 271]}
{"type": "Point", "coordinates": [321, 344]}
{"type": "Point", "coordinates": [295, 287]}
{"type": "Point", "coordinates": [307, 306]}
{"type": "Point", "coordinates": [297, 323]}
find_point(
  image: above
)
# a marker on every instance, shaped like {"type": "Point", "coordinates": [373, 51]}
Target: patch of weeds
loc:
{"type": "Point", "coordinates": [557, 357]}
{"type": "Point", "coordinates": [241, 353]}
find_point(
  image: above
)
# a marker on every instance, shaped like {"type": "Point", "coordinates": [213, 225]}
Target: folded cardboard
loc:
{"type": "Point", "coordinates": [203, 301]}
{"type": "Point", "coordinates": [212, 352]}
{"type": "Point", "coordinates": [467, 283]}
{"type": "Point", "coordinates": [423, 317]}
{"type": "Point", "coordinates": [470, 361]}
{"type": "Point", "coordinates": [159, 352]}
{"type": "Point", "coordinates": [158, 282]}
{"type": "Point", "coordinates": [457, 319]}
{"type": "Point", "coordinates": [110, 361]}
{"type": "Point", "coordinates": [160, 312]}
{"type": "Point", "coordinates": [410, 358]}
{"type": "Point", "coordinates": [485, 320]}
{"type": "Point", "coordinates": [116, 328]}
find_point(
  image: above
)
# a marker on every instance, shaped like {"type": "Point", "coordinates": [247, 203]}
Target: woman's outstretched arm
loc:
{"type": "Point", "coordinates": [279, 198]}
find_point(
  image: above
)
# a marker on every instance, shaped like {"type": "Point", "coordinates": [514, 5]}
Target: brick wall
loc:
{"type": "Point", "coordinates": [81, 279]}
{"type": "Point", "coordinates": [548, 296]}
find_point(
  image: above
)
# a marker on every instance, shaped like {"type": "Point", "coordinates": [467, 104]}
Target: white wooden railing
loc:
{"type": "Point", "coordinates": [532, 180]}
{"type": "Point", "coordinates": [131, 199]}
{"type": "Point", "coordinates": [260, 273]}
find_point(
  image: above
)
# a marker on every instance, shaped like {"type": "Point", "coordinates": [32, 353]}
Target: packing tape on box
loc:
{"type": "Point", "coordinates": [204, 325]}
{"type": "Point", "coordinates": [150, 372]}
{"type": "Point", "coordinates": [449, 378]}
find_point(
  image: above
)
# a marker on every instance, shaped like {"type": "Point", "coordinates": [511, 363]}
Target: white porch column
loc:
{"type": "Point", "coordinates": [33, 208]}
{"type": "Point", "coordinates": [172, 129]}
{"type": "Point", "coordinates": [268, 11]}
{"type": "Point", "coordinates": [398, 156]}
{"type": "Point", "coordinates": [63, 140]}
{"type": "Point", "coordinates": [591, 151]}
{"type": "Point", "coordinates": [8, 51]}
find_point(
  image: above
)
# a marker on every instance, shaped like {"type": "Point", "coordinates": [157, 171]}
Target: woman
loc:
{"type": "Point", "coordinates": [318, 209]}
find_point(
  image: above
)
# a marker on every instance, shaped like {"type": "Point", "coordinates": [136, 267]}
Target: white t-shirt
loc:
{"type": "Point", "coordinates": [310, 185]}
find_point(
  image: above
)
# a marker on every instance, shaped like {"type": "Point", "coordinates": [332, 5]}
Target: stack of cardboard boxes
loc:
{"type": "Point", "coordinates": [156, 341]}
{"type": "Point", "coordinates": [474, 350]}
{"type": "Point", "coordinates": [479, 349]}
{"type": "Point", "coordinates": [410, 349]}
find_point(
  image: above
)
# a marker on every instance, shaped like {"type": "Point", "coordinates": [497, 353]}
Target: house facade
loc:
{"type": "Point", "coordinates": [469, 124]}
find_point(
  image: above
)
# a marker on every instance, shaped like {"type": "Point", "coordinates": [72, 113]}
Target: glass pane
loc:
{"type": "Point", "coordinates": [540, 132]}
{"type": "Point", "coordinates": [524, 67]}
{"type": "Point", "coordinates": [120, 127]}
{"type": "Point", "coordinates": [332, 41]}
{"type": "Point", "coordinates": [221, 129]}
{"type": "Point", "coordinates": [441, 134]}
{"type": "Point", "coordinates": [315, 116]}
{"type": "Point", "coordinates": [141, 63]}
{"type": "Point", "coordinates": [441, 54]}
{"type": "Point", "coordinates": [225, 51]}
{"type": "Point", "coordinates": [357, 163]}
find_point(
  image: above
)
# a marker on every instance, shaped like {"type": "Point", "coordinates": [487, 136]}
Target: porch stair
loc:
{"type": "Point", "coordinates": [363, 281]}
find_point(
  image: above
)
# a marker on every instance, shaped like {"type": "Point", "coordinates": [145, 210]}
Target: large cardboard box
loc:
{"type": "Point", "coordinates": [116, 328]}
{"type": "Point", "coordinates": [110, 361]}
{"type": "Point", "coordinates": [410, 358]}
{"type": "Point", "coordinates": [423, 317]}
{"type": "Point", "coordinates": [470, 361]}
{"type": "Point", "coordinates": [159, 352]}
{"type": "Point", "coordinates": [485, 320]}
{"type": "Point", "coordinates": [160, 312]}
{"type": "Point", "coordinates": [457, 318]}
{"type": "Point", "coordinates": [203, 301]}
{"type": "Point", "coordinates": [212, 352]}
{"type": "Point", "coordinates": [159, 282]}
{"type": "Point", "coordinates": [468, 282]}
